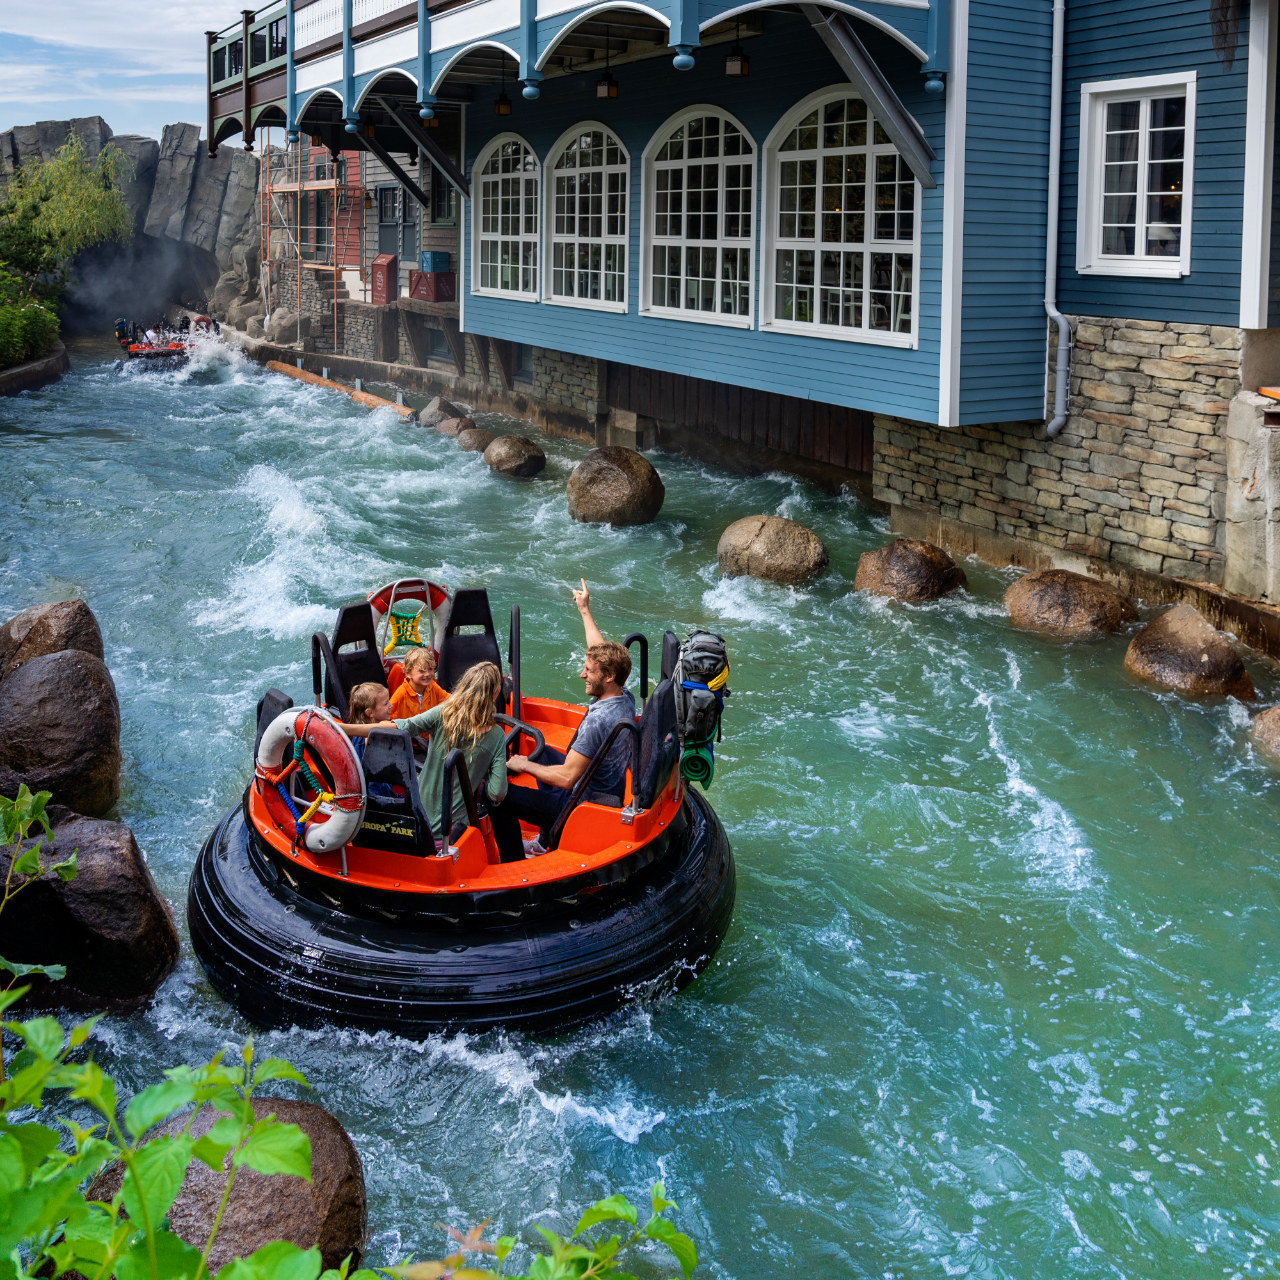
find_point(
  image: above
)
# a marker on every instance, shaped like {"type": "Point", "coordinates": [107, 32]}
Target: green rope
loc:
{"type": "Point", "coordinates": [307, 776]}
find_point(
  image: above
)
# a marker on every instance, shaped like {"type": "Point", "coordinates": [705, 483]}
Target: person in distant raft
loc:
{"type": "Point", "coordinates": [604, 672]}
{"type": "Point", "coordinates": [419, 692]}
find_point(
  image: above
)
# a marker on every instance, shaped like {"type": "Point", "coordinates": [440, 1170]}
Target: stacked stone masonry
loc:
{"type": "Point", "coordinates": [1138, 475]}
{"type": "Point", "coordinates": [567, 380]}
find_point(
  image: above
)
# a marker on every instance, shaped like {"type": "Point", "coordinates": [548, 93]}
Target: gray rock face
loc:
{"type": "Point", "coordinates": [145, 154]}
{"type": "Point", "coordinates": [328, 1213]}
{"type": "Point", "coordinates": [175, 172]}
{"type": "Point", "coordinates": [515, 456]}
{"type": "Point", "coordinates": [617, 486]}
{"type": "Point", "coordinates": [909, 570]}
{"type": "Point", "coordinates": [283, 325]}
{"type": "Point", "coordinates": [437, 410]}
{"type": "Point", "coordinates": [1181, 651]}
{"type": "Point", "coordinates": [48, 628]}
{"type": "Point", "coordinates": [1067, 604]}
{"type": "Point", "coordinates": [253, 328]}
{"type": "Point", "coordinates": [60, 731]}
{"type": "Point", "coordinates": [42, 140]}
{"type": "Point", "coordinates": [475, 440]}
{"type": "Point", "coordinates": [109, 925]}
{"type": "Point", "coordinates": [773, 548]}
{"type": "Point", "coordinates": [456, 426]}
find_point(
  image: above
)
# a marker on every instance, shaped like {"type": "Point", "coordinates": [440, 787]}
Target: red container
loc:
{"type": "Point", "coordinates": [433, 286]}
{"type": "Point", "coordinates": [384, 279]}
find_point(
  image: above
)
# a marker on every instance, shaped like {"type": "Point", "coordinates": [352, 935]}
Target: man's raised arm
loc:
{"type": "Point", "coordinates": [582, 598]}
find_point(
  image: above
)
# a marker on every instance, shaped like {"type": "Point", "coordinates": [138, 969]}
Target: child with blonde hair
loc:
{"type": "Point", "coordinates": [419, 692]}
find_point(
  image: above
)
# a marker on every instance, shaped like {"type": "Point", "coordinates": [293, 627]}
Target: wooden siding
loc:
{"type": "Point", "coordinates": [787, 63]}
{"type": "Point", "coordinates": [830, 434]}
{"type": "Point", "coordinates": [1147, 37]}
{"type": "Point", "coordinates": [1005, 211]}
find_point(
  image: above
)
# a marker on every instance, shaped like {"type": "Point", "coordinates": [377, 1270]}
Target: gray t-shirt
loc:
{"type": "Point", "coordinates": [601, 716]}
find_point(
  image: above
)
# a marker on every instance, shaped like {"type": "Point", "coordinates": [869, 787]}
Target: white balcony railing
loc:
{"type": "Point", "coordinates": [368, 10]}
{"type": "Point", "coordinates": [317, 22]}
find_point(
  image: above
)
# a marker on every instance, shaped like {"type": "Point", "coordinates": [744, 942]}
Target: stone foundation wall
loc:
{"type": "Point", "coordinates": [570, 381]}
{"type": "Point", "coordinates": [1137, 477]}
{"type": "Point", "coordinates": [317, 302]}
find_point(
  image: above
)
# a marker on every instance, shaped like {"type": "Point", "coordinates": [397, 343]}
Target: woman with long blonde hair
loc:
{"type": "Point", "coordinates": [465, 721]}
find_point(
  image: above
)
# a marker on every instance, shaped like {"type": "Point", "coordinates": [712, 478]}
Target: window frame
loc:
{"type": "Point", "coordinates": [477, 213]}
{"type": "Point", "coordinates": [770, 210]}
{"type": "Point", "coordinates": [648, 192]}
{"type": "Point", "coordinates": [1095, 95]}
{"type": "Point", "coordinates": [548, 222]}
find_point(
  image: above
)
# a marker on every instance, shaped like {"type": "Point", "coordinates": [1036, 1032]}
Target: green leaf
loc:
{"type": "Point", "coordinates": [13, 1173]}
{"type": "Point", "coordinates": [210, 1153]}
{"type": "Point", "coordinates": [66, 869]}
{"type": "Point", "coordinates": [280, 1260]}
{"type": "Point", "coordinates": [277, 1069]}
{"type": "Point", "coordinates": [611, 1209]}
{"type": "Point", "coordinates": [503, 1246]}
{"type": "Point", "coordinates": [54, 971]}
{"type": "Point", "coordinates": [156, 1178]}
{"type": "Point", "coordinates": [80, 1032]}
{"type": "Point", "coordinates": [97, 1088]}
{"type": "Point", "coordinates": [225, 1132]}
{"type": "Point", "coordinates": [28, 864]}
{"type": "Point", "coordinates": [679, 1244]}
{"type": "Point", "coordinates": [175, 1259]}
{"type": "Point", "coordinates": [11, 997]}
{"type": "Point", "coordinates": [157, 1103]}
{"type": "Point", "coordinates": [36, 1142]}
{"type": "Point", "coordinates": [276, 1148]}
{"type": "Point", "coordinates": [659, 1197]}
{"type": "Point", "coordinates": [43, 1036]}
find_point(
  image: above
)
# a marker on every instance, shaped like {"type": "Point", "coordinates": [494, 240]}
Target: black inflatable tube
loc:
{"type": "Point", "coordinates": [284, 956]}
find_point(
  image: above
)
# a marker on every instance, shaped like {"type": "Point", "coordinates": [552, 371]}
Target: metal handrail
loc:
{"type": "Point", "coordinates": [321, 648]}
{"type": "Point", "coordinates": [580, 787]}
{"type": "Point", "coordinates": [513, 661]}
{"type": "Point", "coordinates": [644, 662]}
{"type": "Point", "coordinates": [515, 727]}
{"type": "Point", "coordinates": [455, 767]}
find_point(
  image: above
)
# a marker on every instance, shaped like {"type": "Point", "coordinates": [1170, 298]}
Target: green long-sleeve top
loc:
{"type": "Point", "coordinates": [486, 763]}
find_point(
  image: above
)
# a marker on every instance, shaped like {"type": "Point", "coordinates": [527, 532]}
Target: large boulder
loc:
{"type": "Point", "coordinates": [171, 190]}
{"type": "Point", "coordinates": [1182, 651]}
{"type": "Point", "coordinates": [48, 628]}
{"type": "Point", "coordinates": [455, 426]}
{"type": "Point", "coordinates": [1266, 732]}
{"type": "Point", "coordinates": [771, 547]}
{"type": "Point", "coordinates": [614, 485]}
{"type": "Point", "coordinates": [108, 925]}
{"type": "Point", "coordinates": [1067, 604]}
{"type": "Point", "coordinates": [515, 456]}
{"type": "Point", "coordinates": [283, 326]}
{"type": "Point", "coordinates": [908, 569]}
{"type": "Point", "coordinates": [437, 410]}
{"type": "Point", "coordinates": [253, 328]}
{"type": "Point", "coordinates": [328, 1213]}
{"type": "Point", "coordinates": [60, 731]}
{"type": "Point", "coordinates": [475, 440]}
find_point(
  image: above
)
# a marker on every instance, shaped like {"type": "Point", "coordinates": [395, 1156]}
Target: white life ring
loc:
{"type": "Point", "coordinates": [332, 818]}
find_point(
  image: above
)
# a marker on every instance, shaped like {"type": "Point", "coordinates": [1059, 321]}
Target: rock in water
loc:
{"type": "Point", "coordinates": [1181, 651]}
{"type": "Point", "coordinates": [614, 485]}
{"type": "Point", "coordinates": [455, 426]}
{"type": "Point", "coordinates": [771, 547]}
{"type": "Point", "coordinates": [48, 628]}
{"type": "Point", "coordinates": [1067, 604]}
{"type": "Point", "coordinates": [475, 439]}
{"type": "Point", "coordinates": [1266, 732]}
{"type": "Point", "coordinates": [437, 410]}
{"type": "Point", "coordinates": [515, 456]}
{"type": "Point", "coordinates": [328, 1213]}
{"type": "Point", "coordinates": [109, 925]}
{"type": "Point", "coordinates": [909, 570]}
{"type": "Point", "coordinates": [60, 731]}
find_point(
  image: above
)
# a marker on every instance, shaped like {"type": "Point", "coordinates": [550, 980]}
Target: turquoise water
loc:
{"type": "Point", "coordinates": [1000, 995]}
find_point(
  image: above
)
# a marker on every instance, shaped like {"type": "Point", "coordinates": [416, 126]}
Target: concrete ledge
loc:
{"type": "Point", "coordinates": [1253, 623]}
{"type": "Point", "coordinates": [34, 373]}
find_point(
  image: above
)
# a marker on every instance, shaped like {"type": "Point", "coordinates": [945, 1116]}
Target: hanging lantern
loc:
{"type": "Point", "coordinates": [368, 131]}
{"type": "Point", "coordinates": [368, 200]}
{"type": "Point", "coordinates": [606, 86]}
{"type": "Point", "coordinates": [502, 107]}
{"type": "Point", "coordinates": [736, 62]}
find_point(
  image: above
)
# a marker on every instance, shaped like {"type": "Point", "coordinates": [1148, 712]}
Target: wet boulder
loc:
{"type": "Point", "coordinates": [515, 456]}
{"type": "Point", "coordinates": [253, 327]}
{"type": "Point", "coordinates": [48, 628]}
{"type": "Point", "coordinates": [1182, 651]}
{"type": "Point", "coordinates": [475, 440]}
{"type": "Point", "coordinates": [60, 730]}
{"type": "Point", "coordinates": [1067, 604]}
{"type": "Point", "coordinates": [1266, 732]}
{"type": "Point", "coordinates": [616, 486]}
{"type": "Point", "coordinates": [773, 548]}
{"type": "Point", "coordinates": [437, 410]}
{"type": "Point", "coordinates": [108, 925]}
{"type": "Point", "coordinates": [328, 1213]}
{"type": "Point", "coordinates": [282, 326]}
{"type": "Point", "coordinates": [455, 426]}
{"type": "Point", "coordinates": [910, 570]}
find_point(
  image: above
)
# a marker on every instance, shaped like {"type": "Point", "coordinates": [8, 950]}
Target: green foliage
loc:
{"type": "Point", "coordinates": [28, 327]}
{"type": "Point", "coordinates": [52, 210]}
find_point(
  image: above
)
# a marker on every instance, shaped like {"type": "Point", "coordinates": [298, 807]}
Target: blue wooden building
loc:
{"type": "Point", "coordinates": [860, 218]}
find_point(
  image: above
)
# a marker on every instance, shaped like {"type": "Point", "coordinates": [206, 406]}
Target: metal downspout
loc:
{"type": "Point", "coordinates": [1062, 383]}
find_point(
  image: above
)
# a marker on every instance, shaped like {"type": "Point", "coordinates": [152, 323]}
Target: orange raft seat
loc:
{"type": "Point", "coordinates": [309, 904]}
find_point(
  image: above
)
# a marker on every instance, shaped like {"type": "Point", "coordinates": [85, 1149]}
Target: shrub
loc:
{"type": "Point", "coordinates": [28, 330]}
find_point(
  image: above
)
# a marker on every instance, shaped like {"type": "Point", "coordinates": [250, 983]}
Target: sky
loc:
{"type": "Point", "coordinates": [140, 67]}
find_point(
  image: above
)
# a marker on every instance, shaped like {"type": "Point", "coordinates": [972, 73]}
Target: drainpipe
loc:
{"type": "Point", "coordinates": [1062, 389]}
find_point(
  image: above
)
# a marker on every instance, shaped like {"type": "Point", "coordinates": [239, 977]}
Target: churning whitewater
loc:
{"type": "Point", "coordinates": [999, 998]}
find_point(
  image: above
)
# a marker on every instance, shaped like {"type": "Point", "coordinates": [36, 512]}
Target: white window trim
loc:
{"type": "Point", "coordinates": [1094, 95]}
{"type": "Point", "coordinates": [648, 184]}
{"type": "Point", "coordinates": [874, 337]}
{"type": "Point", "coordinates": [548, 222]}
{"type": "Point", "coordinates": [477, 205]}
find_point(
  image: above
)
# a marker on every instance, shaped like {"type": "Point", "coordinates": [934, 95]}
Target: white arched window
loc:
{"type": "Point", "coordinates": [701, 201]}
{"type": "Point", "coordinates": [587, 195]}
{"type": "Point", "coordinates": [506, 219]}
{"type": "Point", "coordinates": [843, 226]}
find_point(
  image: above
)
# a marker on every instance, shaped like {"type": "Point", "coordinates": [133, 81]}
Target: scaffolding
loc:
{"type": "Point", "coordinates": [311, 215]}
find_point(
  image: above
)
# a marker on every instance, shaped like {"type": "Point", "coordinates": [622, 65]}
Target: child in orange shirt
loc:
{"type": "Point", "coordinates": [419, 692]}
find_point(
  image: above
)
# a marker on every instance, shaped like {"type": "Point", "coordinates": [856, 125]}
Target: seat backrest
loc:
{"type": "Point", "coordinates": [670, 652]}
{"type": "Point", "coordinates": [394, 818]}
{"type": "Point", "coordinates": [659, 745]}
{"type": "Point", "coordinates": [460, 651]}
{"type": "Point", "coordinates": [270, 705]}
{"type": "Point", "coordinates": [355, 651]}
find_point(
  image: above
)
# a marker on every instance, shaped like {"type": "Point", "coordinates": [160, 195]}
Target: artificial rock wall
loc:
{"type": "Point", "coordinates": [1138, 476]}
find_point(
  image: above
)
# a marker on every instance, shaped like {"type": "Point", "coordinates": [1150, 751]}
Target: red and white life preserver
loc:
{"type": "Point", "coordinates": [329, 819]}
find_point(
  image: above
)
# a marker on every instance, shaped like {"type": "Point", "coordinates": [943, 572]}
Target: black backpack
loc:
{"type": "Point", "coordinates": [702, 670]}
